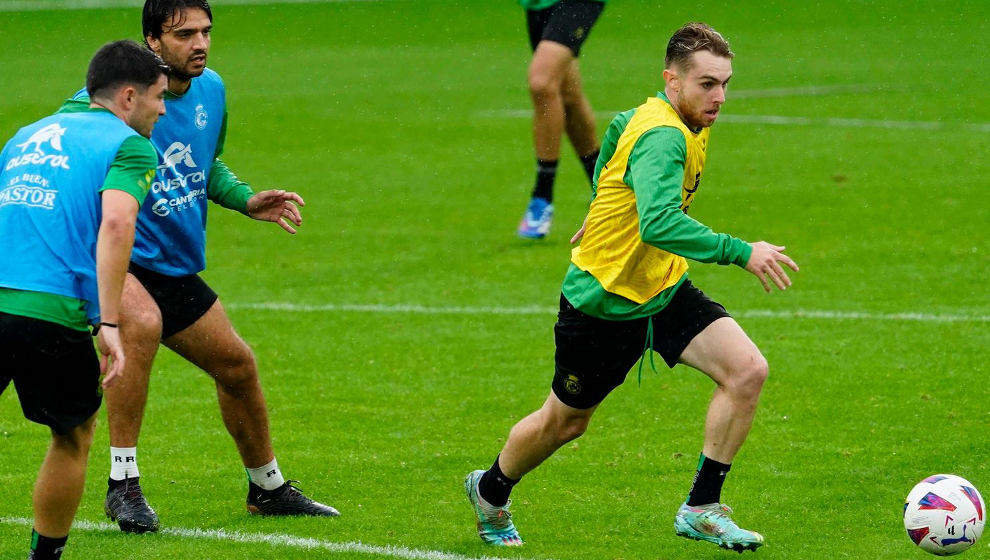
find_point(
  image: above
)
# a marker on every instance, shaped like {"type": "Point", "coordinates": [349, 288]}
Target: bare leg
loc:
{"type": "Point", "coordinates": [140, 332]}
{"type": "Point", "coordinates": [580, 119]}
{"type": "Point", "coordinates": [211, 344]}
{"type": "Point", "coordinates": [60, 481]}
{"type": "Point", "coordinates": [536, 437]}
{"type": "Point", "coordinates": [546, 78]}
{"type": "Point", "coordinates": [724, 352]}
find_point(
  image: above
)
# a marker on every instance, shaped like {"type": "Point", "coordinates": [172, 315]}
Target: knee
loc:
{"type": "Point", "coordinates": [543, 86]}
{"type": "Point", "coordinates": [141, 324]}
{"type": "Point", "coordinates": [75, 442]}
{"type": "Point", "coordinates": [749, 376]}
{"type": "Point", "coordinates": [569, 428]}
{"type": "Point", "coordinates": [236, 369]}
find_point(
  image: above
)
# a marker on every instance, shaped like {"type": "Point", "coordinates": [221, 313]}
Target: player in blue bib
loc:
{"type": "Point", "coordinates": [70, 189]}
{"type": "Point", "coordinates": [165, 300]}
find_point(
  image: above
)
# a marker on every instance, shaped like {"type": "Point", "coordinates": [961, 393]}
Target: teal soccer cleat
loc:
{"type": "Point", "coordinates": [494, 523]}
{"type": "Point", "coordinates": [712, 523]}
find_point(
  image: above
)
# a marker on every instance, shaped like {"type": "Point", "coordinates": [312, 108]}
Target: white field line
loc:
{"type": "Point", "coordinates": [541, 310]}
{"type": "Point", "coordinates": [784, 121]}
{"type": "Point", "coordinates": [273, 539]}
{"type": "Point", "coordinates": [62, 5]}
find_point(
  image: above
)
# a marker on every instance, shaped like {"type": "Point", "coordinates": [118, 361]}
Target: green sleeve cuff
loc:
{"type": "Point", "coordinates": [226, 189]}
{"type": "Point", "coordinates": [743, 252]}
{"type": "Point", "coordinates": [133, 168]}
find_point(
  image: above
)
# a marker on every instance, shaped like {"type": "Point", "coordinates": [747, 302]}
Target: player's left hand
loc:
{"type": "Point", "coordinates": [281, 207]}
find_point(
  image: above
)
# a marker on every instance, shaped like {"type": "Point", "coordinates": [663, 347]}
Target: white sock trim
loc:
{"type": "Point", "coordinates": [123, 463]}
{"type": "Point", "coordinates": [269, 477]}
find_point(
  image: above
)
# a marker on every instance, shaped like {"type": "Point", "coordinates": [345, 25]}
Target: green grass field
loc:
{"type": "Point", "coordinates": [403, 124]}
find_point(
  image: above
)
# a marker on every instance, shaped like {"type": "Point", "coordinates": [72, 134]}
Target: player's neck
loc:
{"type": "Point", "coordinates": [672, 98]}
{"type": "Point", "coordinates": [177, 86]}
{"type": "Point", "coordinates": [112, 107]}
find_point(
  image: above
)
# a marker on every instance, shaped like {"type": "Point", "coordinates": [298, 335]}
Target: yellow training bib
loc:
{"type": "Point", "coordinates": [611, 249]}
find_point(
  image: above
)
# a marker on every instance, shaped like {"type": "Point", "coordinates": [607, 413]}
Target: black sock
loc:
{"type": "Point", "coordinates": [546, 172]}
{"type": "Point", "coordinates": [589, 162]}
{"type": "Point", "coordinates": [707, 488]}
{"type": "Point", "coordinates": [46, 548]}
{"type": "Point", "coordinates": [495, 487]}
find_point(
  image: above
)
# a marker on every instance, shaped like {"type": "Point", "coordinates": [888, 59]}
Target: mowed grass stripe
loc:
{"type": "Point", "coordinates": [782, 120]}
{"type": "Point", "coordinates": [273, 539]}
{"type": "Point", "coordinates": [62, 5]}
{"type": "Point", "coordinates": [546, 310]}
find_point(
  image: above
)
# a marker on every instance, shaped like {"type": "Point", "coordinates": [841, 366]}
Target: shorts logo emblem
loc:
{"type": "Point", "coordinates": [572, 385]}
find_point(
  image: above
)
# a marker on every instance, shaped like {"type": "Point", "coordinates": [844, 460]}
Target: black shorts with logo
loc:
{"type": "Point", "coordinates": [594, 355]}
{"type": "Point", "coordinates": [54, 369]}
{"type": "Point", "coordinates": [567, 22]}
{"type": "Point", "coordinates": [181, 299]}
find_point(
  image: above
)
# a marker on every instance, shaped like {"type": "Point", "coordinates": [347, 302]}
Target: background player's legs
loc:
{"type": "Point", "coordinates": [59, 486]}
{"type": "Point", "coordinates": [547, 71]}
{"type": "Point", "coordinates": [724, 352]}
{"type": "Point", "coordinates": [580, 119]}
{"type": "Point", "coordinates": [140, 332]}
{"type": "Point", "coordinates": [211, 344]}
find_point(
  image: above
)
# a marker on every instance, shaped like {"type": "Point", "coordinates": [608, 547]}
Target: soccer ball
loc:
{"type": "Point", "coordinates": [944, 514]}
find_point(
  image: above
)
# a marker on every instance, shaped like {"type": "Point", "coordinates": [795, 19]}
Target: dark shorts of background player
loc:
{"type": "Point", "coordinates": [54, 369]}
{"type": "Point", "coordinates": [567, 22]}
{"type": "Point", "coordinates": [594, 355]}
{"type": "Point", "coordinates": [182, 300]}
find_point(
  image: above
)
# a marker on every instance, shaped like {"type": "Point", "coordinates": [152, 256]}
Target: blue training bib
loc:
{"type": "Point", "coordinates": [51, 173]}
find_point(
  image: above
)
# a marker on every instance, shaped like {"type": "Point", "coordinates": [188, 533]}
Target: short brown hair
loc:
{"type": "Point", "coordinates": [691, 38]}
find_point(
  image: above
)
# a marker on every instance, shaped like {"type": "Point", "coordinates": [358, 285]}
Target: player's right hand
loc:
{"type": "Point", "coordinates": [579, 233]}
{"type": "Point", "coordinates": [111, 354]}
{"type": "Point", "coordinates": [764, 263]}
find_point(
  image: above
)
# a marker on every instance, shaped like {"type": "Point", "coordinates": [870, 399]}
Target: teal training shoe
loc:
{"type": "Point", "coordinates": [494, 523]}
{"type": "Point", "coordinates": [712, 523]}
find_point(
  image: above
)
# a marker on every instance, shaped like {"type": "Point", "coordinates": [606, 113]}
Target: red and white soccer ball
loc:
{"type": "Point", "coordinates": [944, 514]}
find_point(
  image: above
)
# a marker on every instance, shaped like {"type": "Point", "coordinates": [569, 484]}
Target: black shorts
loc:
{"type": "Point", "coordinates": [54, 369]}
{"type": "Point", "coordinates": [181, 299]}
{"type": "Point", "coordinates": [567, 22]}
{"type": "Point", "coordinates": [594, 355]}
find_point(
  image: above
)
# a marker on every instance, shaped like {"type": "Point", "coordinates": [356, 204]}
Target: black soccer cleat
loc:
{"type": "Point", "coordinates": [126, 505]}
{"type": "Point", "coordinates": [285, 500]}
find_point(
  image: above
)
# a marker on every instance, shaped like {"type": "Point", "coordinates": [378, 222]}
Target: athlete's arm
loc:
{"type": "Point", "coordinates": [123, 191]}
{"type": "Point", "coordinates": [113, 252]}
{"type": "Point", "coordinates": [656, 175]}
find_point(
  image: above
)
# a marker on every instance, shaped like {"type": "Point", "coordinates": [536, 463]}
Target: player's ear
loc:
{"type": "Point", "coordinates": [154, 44]}
{"type": "Point", "coordinates": [671, 78]}
{"type": "Point", "coordinates": [127, 97]}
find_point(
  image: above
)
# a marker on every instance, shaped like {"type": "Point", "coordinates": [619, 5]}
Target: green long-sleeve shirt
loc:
{"type": "Point", "coordinates": [655, 174]}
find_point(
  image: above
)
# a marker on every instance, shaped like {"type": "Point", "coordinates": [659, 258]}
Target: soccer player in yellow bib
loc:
{"type": "Point", "coordinates": [627, 291]}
